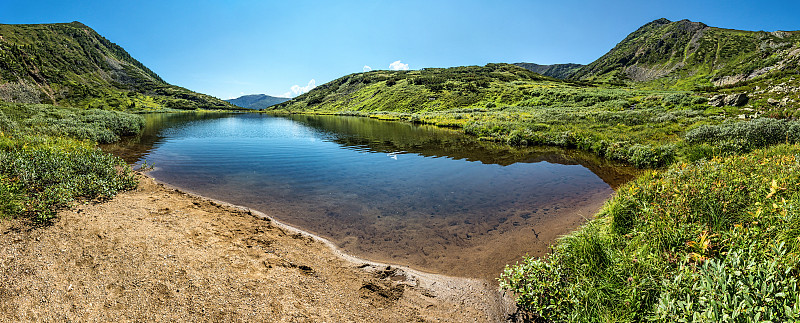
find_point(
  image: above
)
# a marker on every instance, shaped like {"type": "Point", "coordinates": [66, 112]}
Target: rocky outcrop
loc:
{"type": "Point", "coordinates": [733, 100]}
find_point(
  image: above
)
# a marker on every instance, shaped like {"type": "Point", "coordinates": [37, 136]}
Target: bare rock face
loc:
{"type": "Point", "coordinates": [717, 100]}
{"type": "Point", "coordinates": [734, 100]}
{"type": "Point", "coordinates": [730, 79]}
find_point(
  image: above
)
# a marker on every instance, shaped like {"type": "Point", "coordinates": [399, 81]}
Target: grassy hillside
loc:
{"type": "Point", "coordinates": [58, 83]}
{"type": "Point", "coordinates": [633, 104]}
{"type": "Point", "coordinates": [430, 89]}
{"type": "Point", "coordinates": [687, 55]}
{"type": "Point", "coordinates": [506, 103]}
{"type": "Point", "coordinates": [256, 101]}
{"type": "Point", "coordinates": [70, 64]}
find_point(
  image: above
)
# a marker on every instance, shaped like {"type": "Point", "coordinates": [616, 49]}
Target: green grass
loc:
{"type": "Point", "coordinates": [710, 241]}
{"type": "Point", "coordinates": [49, 159]}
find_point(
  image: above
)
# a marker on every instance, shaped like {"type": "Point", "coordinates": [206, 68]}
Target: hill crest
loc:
{"type": "Point", "coordinates": [71, 64]}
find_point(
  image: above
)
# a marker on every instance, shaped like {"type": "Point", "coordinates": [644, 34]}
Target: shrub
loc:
{"type": "Point", "coordinates": [95, 125]}
{"type": "Point", "coordinates": [645, 156]}
{"type": "Point", "coordinates": [678, 99]}
{"type": "Point", "coordinates": [742, 286]}
{"type": "Point", "coordinates": [746, 135]}
{"type": "Point", "coordinates": [540, 288]}
{"type": "Point", "coordinates": [11, 196]}
{"type": "Point", "coordinates": [46, 175]}
{"type": "Point", "coordinates": [43, 168]}
{"type": "Point", "coordinates": [6, 125]}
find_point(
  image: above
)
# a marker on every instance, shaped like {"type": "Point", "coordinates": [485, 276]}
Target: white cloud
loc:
{"type": "Point", "coordinates": [367, 68]}
{"type": "Point", "coordinates": [397, 66]}
{"type": "Point", "coordinates": [234, 97]}
{"type": "Point", "coordinates": [297, 90]}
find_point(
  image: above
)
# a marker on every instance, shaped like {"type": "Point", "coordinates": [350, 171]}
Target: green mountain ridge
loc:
{"type": "Point", "coordinates": [71, 64]}
{"type": "Point", "coordinates": [429, 89]}
{"type": "Point", "coordinates": [256, 101]}
{"type": "Point", "coordinates": [687, 55]}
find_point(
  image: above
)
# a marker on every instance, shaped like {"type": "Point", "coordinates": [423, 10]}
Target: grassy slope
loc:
{"type": "Point", "coordinates": [502, 102]}
{"type": "Point", "coordinates": [71, 64]}
{"type": "Point", "coordinates": [64, 79]}
{"type": "Point", "coordinates": [686, 55]}
{"type": "Point", "coordinates": [641, 122]}
{"type": "Point", "coordinates": [432, 89]}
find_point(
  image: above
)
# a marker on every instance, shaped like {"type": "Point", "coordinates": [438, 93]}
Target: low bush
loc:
{"type": "Point", "coordinates": [742, 286]}
{"type": "Point", "coordinates": [646, 156]}
{"type": "Point", "coordinates": [744, 136]}
{"type": "Point", "coordinates": [49, 158]}
{"type": "Point", "coordinates": [95, 125]}
{"type": "Point", "coordinates": [43, 175]}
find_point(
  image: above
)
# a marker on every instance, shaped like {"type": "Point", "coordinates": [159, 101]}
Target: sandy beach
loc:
{"type": "Point", "coordinates": [159, 254]}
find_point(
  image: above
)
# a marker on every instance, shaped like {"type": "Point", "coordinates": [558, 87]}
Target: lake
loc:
{"type": "Point", "coordinates": [416, 195]}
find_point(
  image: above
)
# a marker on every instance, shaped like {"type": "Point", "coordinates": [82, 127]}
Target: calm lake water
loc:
{"type": "Point", "coordinates": [421, 196]}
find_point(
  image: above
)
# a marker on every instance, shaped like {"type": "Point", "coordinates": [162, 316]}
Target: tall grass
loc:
{"type": "Point", "coordinates": [704, 241]}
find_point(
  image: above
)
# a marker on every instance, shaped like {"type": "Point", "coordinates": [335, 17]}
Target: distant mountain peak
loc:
{"type": "Point", "coordinates": [256, 101]}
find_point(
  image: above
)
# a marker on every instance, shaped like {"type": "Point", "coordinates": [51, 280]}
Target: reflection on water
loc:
{"type": "Point", "coordinates": [422, 196]}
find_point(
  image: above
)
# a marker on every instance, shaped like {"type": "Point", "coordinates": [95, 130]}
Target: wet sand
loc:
{"type": "Point", "coordinates": [159, 254]}
{"type": "Point", "coordinates": [464, 247]}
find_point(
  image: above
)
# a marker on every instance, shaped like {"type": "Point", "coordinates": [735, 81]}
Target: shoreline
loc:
{"type": "Point", "coordinates": [159, 253]}
{"type": "Point", "coordinates": [422, 278]}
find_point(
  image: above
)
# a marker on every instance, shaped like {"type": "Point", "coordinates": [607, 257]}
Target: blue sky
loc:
{"type": "Point", "coordinates": [229, 48]}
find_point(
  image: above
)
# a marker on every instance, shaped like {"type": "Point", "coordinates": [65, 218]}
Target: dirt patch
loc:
{"type": "Point", "coordinates": [158, 254]}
